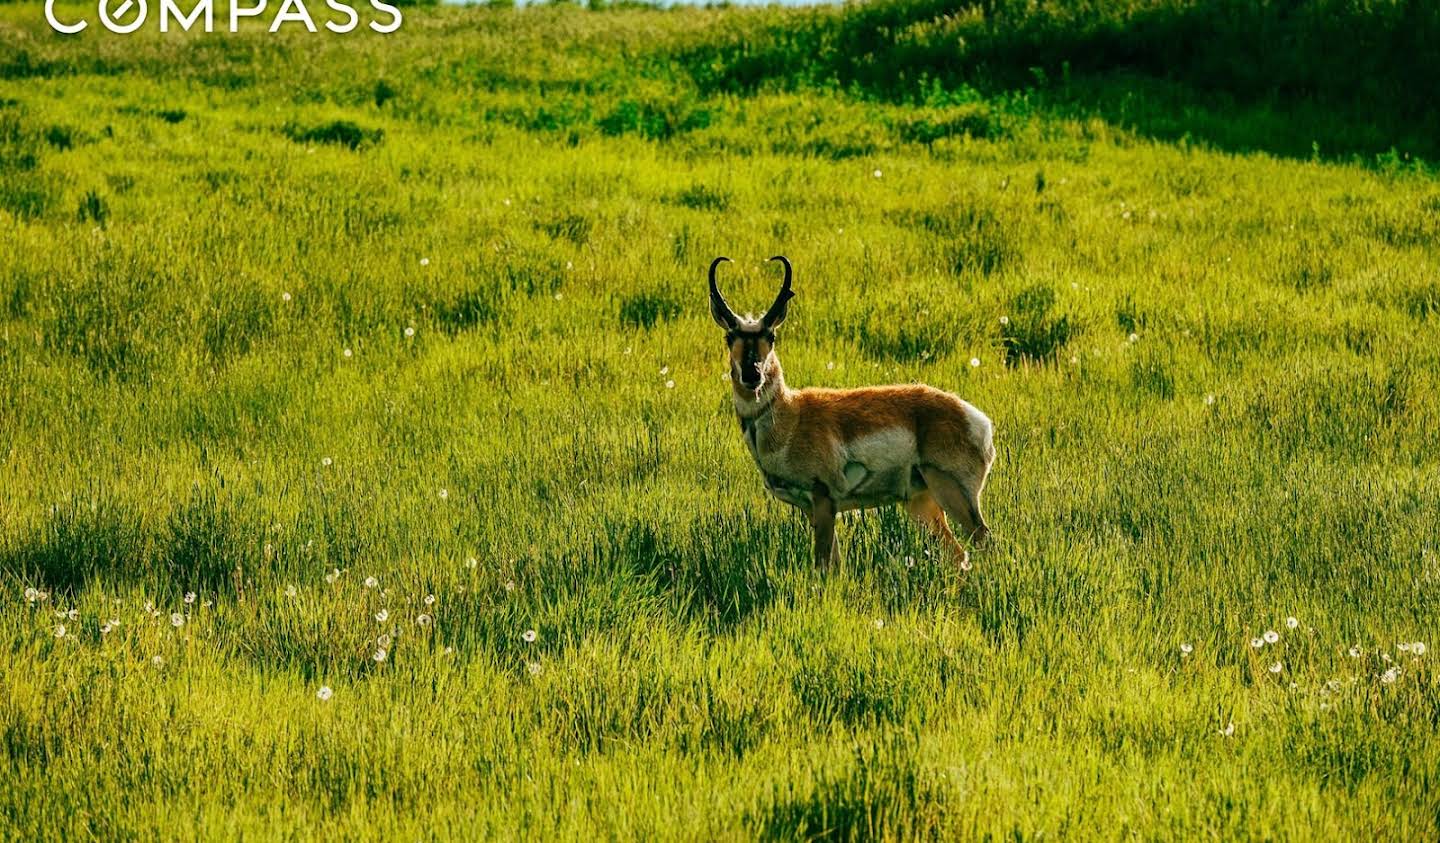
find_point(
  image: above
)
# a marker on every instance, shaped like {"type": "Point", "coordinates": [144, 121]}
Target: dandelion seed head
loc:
{"type": "Point", "coordinates": [177, 620]}
{"type": "Point", "coordinates": [1186, 649]}
{"type": "Point", "coordinates": [73, 614]}
{"type": "Point", "coordinates": [529, 635]}
{"type": "Point", "coordinates": [1354, 652]}
{"type": "Point", "coordinates": [424, 261]}
{"type": "Point", "coordinates": [1417, 647]}
{"type": "Point", "coordinates": [324, 693]}
{"type": "Point", "coordinates": [189, 597]}
{"type": "Point", "coordinates": [1271, 636]}
{"type": "Point", "coordinates": [382, 615]}
{"type": "Point", "coordinates": [284, 297]}
{"type": "Point", "coordinates": [1403, 646]}
{"type": "Point", "coordinates": [59, 630]}
{"type": "Point", "coordinates": [380, 655]}
{"type": "Point", "coordinates": [409, 331]}
{"type": "Point", "coordinates": [291, 591]}
{"type": "Point", "coordinates": [669, 384]}
{"type": "Point", "coordinates": [877, 174]}
{"type": "Point", "coordinates": [1276, 667]}
{"type": "Point", "coordinates": [423, 620]}
{"type": "Point", "coordinates": [1209, 399]}
{"type": "Point", "coordinates": [1134, 337]}
{"type": "Point", "coordinates": [326, 461]}
{"type": "Point", "coordinates": [534, 668]}
{"type": "Point", "coordinates": [444, 494]}
{"type": "Point", "coordinates": [1292, 622]}
{"type": "Point", "coordinates": [1228, 729]}
{"type": "Point", "coordinates": [1257, 643]}
{"type": "Point", "coordinates": [32, 595]}
{"type": "Point", "coordinates": [429, 600]}
{"type": "Point", "coordinates": [158, 661]}
{"type": "Point", "coordinates": [1389, 676]}
{"type": "Point", "coordinates": [371, 582]}
{"type": "Point", "coordinates": [383, 641]}
{"type": "Point", "coordinates": [879, 623]}
{"type": "Point", "coordinates": [105, 629]}
{"type": "Point", "coordinates": [974, 362]}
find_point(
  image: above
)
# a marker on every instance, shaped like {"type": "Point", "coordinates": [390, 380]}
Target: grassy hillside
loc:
{"type": "Point", "coordinates": [394, 351]}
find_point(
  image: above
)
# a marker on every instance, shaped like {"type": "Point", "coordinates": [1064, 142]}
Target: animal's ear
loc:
{"type": "Point", "coordinates": [781, 308]}
{"type": "Point", "coordinates": [719, 310]}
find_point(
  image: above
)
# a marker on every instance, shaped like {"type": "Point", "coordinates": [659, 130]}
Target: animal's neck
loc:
{"type": "Point", "coordinates": [751, 403]}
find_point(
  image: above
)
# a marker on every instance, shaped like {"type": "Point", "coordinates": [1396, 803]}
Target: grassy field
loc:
{"type": "Point", "coordinates": [333, 371]}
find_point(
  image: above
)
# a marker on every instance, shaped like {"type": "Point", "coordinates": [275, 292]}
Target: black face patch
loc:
{"type": "Point", "coordinates": [750, 356]}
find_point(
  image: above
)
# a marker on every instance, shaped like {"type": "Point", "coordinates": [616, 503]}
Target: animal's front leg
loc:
{"type": "Point", "coordinates": [822, 520]}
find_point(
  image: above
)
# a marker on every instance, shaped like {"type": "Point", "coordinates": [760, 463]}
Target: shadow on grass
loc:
{"type": "Point", "coordinates": [1286, 77]}
{"type": "Point", "coordinates": [718, 572]}
{"type": "Point", "coordinates": [881, 793]}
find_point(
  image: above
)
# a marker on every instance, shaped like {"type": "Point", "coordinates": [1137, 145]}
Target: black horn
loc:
{"type": "Point", "coordinates": [719, 310]}
{"type": "Point", "coordinates": [776, 314]}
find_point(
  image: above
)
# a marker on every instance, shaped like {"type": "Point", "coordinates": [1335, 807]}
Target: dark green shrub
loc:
{"type": "Point", "coordinates": [337, 132]}
{"type": "Point", "coordinates": [643, 310]}
{"type": "Point", "coordinates": [1031, 332]}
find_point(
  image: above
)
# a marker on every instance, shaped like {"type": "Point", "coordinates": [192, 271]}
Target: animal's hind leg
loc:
{"type": "Point", "coordinates": [927, 512]}
{"type": "Point", "coordinates": [959, 500]}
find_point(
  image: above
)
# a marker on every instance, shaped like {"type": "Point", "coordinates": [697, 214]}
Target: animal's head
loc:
{"type": "Point", "coordinates": [751, 341]}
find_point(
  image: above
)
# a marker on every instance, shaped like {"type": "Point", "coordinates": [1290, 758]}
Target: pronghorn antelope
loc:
{"type": "Point", "coordinates": [829, 450]}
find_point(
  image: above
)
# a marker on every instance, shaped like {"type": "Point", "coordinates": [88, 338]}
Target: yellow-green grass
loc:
{"type": "Point", "coordinates": [1213, 378]}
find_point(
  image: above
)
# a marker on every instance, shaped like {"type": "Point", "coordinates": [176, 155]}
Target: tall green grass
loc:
{"type": "Point", "coordinates": [468, 355]}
